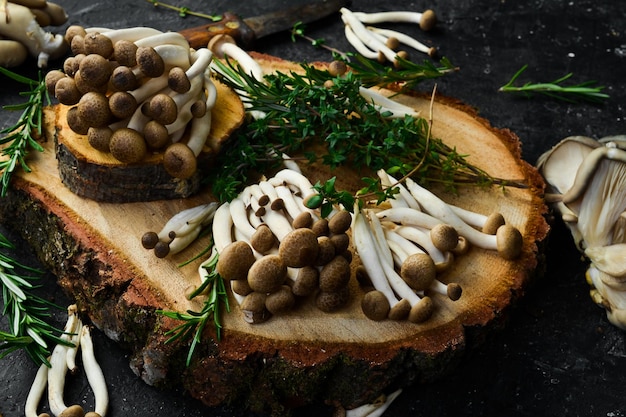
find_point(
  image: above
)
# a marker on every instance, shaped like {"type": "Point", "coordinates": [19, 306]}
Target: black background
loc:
{"type": "Point", "coordinates": [557, 355]}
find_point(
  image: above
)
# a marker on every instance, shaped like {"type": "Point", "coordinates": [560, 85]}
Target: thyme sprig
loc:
{"type": "Point", "coordinates": [303, 111]}
{"type": "Point", "coordinates": [25, 312]}
{"type": "Point", "coordinates": [23, 135]}
{"type": "Point", "coordinates": [585, 91]}
{"type": "Point", "coordinates": [185, 11]}
{"type": "Point", "coordinates": [194, 322]}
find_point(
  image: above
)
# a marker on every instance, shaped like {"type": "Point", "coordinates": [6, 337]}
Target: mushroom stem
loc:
{"type": "Point", "coordinates": [386, 105]}
{"type": "Point", "coordinates": [94, 373]}
{"type": "Point", "coordinates": [36, 391]}
{"type": "Point", "coordinates": [368, 39]}
{"type": "Point", "coordinates": [163, 38]}
{"type": "Point", "coordinates": [132, 34]}
{"type": "Point", "coordinates": [405, 39]}
{"type": "Point", "coordinates": [58, 365]}
{"type": "Point", "coordinates": [222, 227]}
{"type": "Point", "coordinates": [358, 44]}
{"type": "Point", "coordinates": [375, 409]}
{"type": "Point", "coordinates": [426, 20]}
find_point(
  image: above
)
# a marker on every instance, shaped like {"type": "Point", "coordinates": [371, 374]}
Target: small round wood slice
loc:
{"type": "Point", "coordinates": [99, 176]}
{"type": "Point", "coordinates": [305, 357]}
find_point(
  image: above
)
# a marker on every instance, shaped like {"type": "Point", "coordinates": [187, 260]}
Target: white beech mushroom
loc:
{"type": "Point", "coordinates": [367, 37]}
{"type": "Point", "coordinates": [405, 39]}
{"type": "Point", "coordinates": [58, 365]}
{"type": "Point", "coordinates": [374, 409]}
{"type": "Point", "coordinates": [426, 20]}
{"type": "Point", "coordinates": [18, 23]}
{"type": "Point", "coordinates": [95, 377]}
{"type": "Point", "coordinates": [36, 391]}
{"type": "Point", "coordinates": [507, 241]}
{"type": "Point", "coordinates": [180, 230]}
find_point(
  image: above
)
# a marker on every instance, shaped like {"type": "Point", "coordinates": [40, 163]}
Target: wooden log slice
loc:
{"type": "Point", "coordinates": [306, 357]}
{"type": "Point", "coordinates": [99, 176]}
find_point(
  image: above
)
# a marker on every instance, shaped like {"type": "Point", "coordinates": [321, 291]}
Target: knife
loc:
{"type": "Point", "coordinates": [247, 31]}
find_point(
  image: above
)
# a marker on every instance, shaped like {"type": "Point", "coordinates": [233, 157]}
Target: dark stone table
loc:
{"type": "Point", "coordinates": [557, 354]}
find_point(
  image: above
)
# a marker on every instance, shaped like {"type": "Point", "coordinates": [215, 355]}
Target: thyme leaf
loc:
{"type": "Point", "coordinates": [585, 91]}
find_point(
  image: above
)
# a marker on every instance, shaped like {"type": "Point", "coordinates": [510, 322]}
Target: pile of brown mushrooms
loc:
{"type": "Point", "coordinates": [381, 44]}
{"type": "Point", "coordinates": [587, 187]}
{"type": "Point", "coordinates": [22, 33]}
{"type": "Point", "coordinates": [63, 359]}
{"type": "Point", "coordinates": [138, 90]}
{"type": "Point", "coordinates": [275, 252]}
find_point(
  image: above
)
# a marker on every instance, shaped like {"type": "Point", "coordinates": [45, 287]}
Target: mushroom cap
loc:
{"type": "Point", "coordinates": [93, 107]}
{"type": "Point", "coordinates": [341, 241]}
{"type": "Point", "coordinates": [149, 240]}
{"type": "Point", "coordinates": [127, 145]}
{"type": "Point", "coordinates": [263, 239]}
{"type": "Point", "coordinates": [155, 135]}
{"type": "Point", "coordinates": [75, 122]}
{"type": "Point", "coordinates": [161, 249]}
{"type": "Point", "coordinates": [327, 251]}
{"type": "Point", "coordinates": [163, 109]}
{"type": "Point", "coordinates": [375, 305]}
{"type": "Point", "coordinates": [100, 137]}
{"type": "Point", "coordinates": [235, 261]}
{"type": "Point", "coordinates": [335, 274]}
{"type": "Point", "coordinates": [73, 411]}
{"type": "Point", "coordinates": [85, 87]}
{"type": "Point", "coordinates": [66, 91]}
{"type": "Point", "coordinates": [299, 248]}
{"type": "Point", "coordinates": [267, 274]}
{"type": "Point", "coordinates": [97, 43]}
{"type": "Point", "coordinates": [280, 301]}
{"type": "Point", "coordinates": [400, 311]}
{"type": "Point", "coordinates": [509, 241]}
{"type": "Point", "coordinates": [91, 414]}
{"type": "Point", "coordinates": [72, 31]}
{"type": "Point", "coordinates": [422, 310]}
{"type": "Point", "coordinates": [122, 104]}
{"type": "Point", "coordinates": [240, 287]}
{"type": "Point", "coordinates": [150, 62]}
{"type": "Point", "coordinates": [329, 302]}
{"type": "Point", "coordinates": [125, 53]}
{"type": "Point", "coordinates": [302, 220]}
{"type": "Point", "coordinates": [340, 222]}
{"type": "Point", "coordinates": [444, 237]}
{"type": "Point", "coordinates": [179, 161]}
{"type": "Point", "coordinates": [123, 78]}
{"type": "Point", "coordinates": [253, 308]}
{"type": "Point", "coordinates": [428, 20]}
{"type": "Point", "coordinates": [418, 271]}
{"type": "Point", "coordinates": [337, 68]}
{"type": "Point", "coordinates": [95, 69]}
{"type": "Point", "coordinates": [51, 79]}
{"type": "Point", "coordinates": [493, 222]}
{"type": "Point", "coordinates": [307, 281]}
{"type": "Point", "coordinates": [178, 81]}
{"type": "Point", "coordinates": [320, 227]}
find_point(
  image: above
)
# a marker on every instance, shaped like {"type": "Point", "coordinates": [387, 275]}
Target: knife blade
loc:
{"type": "Point", "coordinates": [246, 31]}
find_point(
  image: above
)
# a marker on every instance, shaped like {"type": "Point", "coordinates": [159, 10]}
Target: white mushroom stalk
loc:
{"type": "Point", "coordinates": [19, 24]}
{"type": "Point", "coordinates": [587, 181]}
{"type": "Point", "coordinates": [94, 373]}
{"type": "Point", "coordinates": [377, 43]}
{"type": "Point", "coordinates": [387, 106]}
{"type": "Point", "coordinates": [376, 408]}
{"type": "Point", "coordinates": [133, 67]}
{"type": "Point", "coordinates": [58, 365]}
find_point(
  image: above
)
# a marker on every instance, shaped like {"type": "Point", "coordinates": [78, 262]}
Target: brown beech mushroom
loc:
{"type": "Point", "coordinates": [280, 301]}
{"type": "Point", "coordinates": [94, 109]}
{"type": "Point", "coordinates": [330, 302]}
{"type": "Point", "coordinates": [235, 261]}
{"type": "Point", "coordinates": [335, 275]}
{"type": "Point", "coordinates": [299, 248]}
{"type": "Point", "coordinates": [100, 138]}
{"type": "Point", "coordinates": [253, 308]}
{"type": "Point", "coordinates": [267, 274]}
{"type": "Point", "coordinates": [418, 270]}
{"type": "Point", "coordinates": [127, 145]}
{"type": "Point", "coordinates": [307, 281]}
{"type": "Point", "coordinates": [180, 161]}
{"type": "Point", "coordinates": [375, 305]}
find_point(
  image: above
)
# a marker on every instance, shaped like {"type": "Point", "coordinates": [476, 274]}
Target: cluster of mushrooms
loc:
{"type": "Point", "coordinates": [138, 90]}
{"type": "Point", "coordinates": [274, 249]}
{"type": "Point", "coordinates": [381, 44]}
{"type": "Point", "coordinates": [587, 186]}
{"type": "Point", "coordinates": [404, 247]}
{"type": "Point", "coordinates": [22, 34]}
{"type": "Point", "coordinates": [63, 358]}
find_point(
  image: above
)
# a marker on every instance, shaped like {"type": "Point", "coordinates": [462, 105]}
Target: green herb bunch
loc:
{"type": "Point", "coordinates": [22, 137]}
{"type": "Point", "coordinates": [305, 110]}
{"type": "Point", "coordinates": [26, 312]}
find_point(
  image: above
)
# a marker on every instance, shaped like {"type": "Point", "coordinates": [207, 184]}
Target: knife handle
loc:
{"type": "Point", "coordinates": [231, 24]}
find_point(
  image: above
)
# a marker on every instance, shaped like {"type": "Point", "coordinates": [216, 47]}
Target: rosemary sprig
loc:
{"type": "Point", "coordinates": [585, 91]}
{"type": "Point", "coordinates": [302, 111]}
{"type": "Point", "coordinates": [23, 135]}
{"type": "Point", "coordinates": [194, 322]}
{"type": "Point", "coordinates": [26, 312]}
{"type": "Point", "coordinates": [185, 11]}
